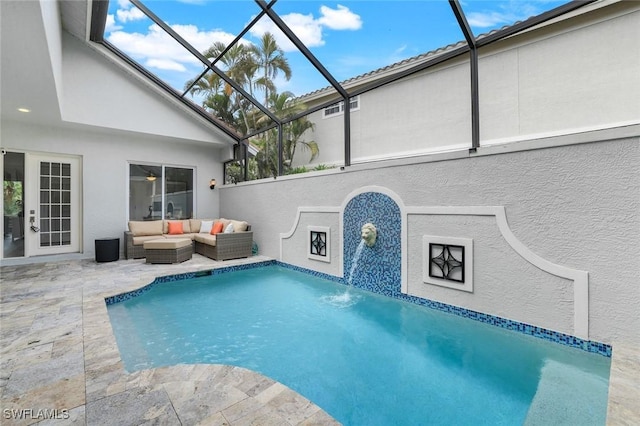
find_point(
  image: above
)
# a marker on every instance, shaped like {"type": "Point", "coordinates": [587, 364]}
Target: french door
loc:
{"type": "Point", "coordinates": [53, 206]}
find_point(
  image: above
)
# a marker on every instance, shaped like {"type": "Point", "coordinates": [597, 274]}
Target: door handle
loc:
{"type": "Point", "coordinates": [34, 228]}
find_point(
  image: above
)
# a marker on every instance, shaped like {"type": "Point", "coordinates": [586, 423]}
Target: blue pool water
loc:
{"type": "Point", "coordinates": [365, 359]}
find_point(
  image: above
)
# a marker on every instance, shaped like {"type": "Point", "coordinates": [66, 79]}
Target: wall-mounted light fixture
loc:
{"type": "Point", "coordinates": [212, 183]}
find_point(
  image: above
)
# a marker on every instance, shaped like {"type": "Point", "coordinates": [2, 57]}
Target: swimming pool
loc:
{"type": "Point", "coordinates": [363, 358]}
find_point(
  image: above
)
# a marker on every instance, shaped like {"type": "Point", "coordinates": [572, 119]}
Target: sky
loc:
{"type": "Point", "coordinates": [349, 38]}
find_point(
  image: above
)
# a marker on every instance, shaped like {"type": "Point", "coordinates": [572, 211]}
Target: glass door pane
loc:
{"type": "Point", "coordinates": [178, 193]}
{"type": "Point", "coordinates": [145, 192]}
{"type": "Point", "coordinates": [55, 204]}
{"type": "Point", "coordinates": [13, 190]}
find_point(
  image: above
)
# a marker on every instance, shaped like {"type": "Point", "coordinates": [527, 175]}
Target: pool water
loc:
{"type": "Point", "coordinates": [366, 359]}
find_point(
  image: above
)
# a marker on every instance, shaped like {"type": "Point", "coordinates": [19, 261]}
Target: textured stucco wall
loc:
{"type": "Point", "coordinates": [567, 77]}
{"type": "Point", "coordinates": [561, 79]}
{"type": "Point", "coordinates": [296, 247]}
{"type": "Point", "coordinates": [575, 205]}
{"type": "Point", "coordinates": [96, 92]}
{"type": "Point", "coordinates": [504, 283]}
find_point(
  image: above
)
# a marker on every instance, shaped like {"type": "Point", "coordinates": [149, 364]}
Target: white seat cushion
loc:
{"type": "Point", "coordinates": [206, 239]}
{"type": "Point", "coordinates": [167, 243]}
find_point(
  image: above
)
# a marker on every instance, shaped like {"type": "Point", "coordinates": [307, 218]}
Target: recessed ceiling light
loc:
{"type": "Point", "coordinates": [24, 110]}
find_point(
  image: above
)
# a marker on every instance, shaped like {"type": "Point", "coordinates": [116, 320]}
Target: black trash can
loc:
{"type": "Point", "coordinates": [107, 249]}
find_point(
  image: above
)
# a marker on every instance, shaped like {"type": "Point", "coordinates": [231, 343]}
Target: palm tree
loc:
{"type": "Point", "coordinates": [243, 64]}
{"type": "Point", "coordinates": [271, 60]}
{"type": "Point", "coordinates": [238, 64]}
{"type": "Point", "coordinates": [284, 105]}
{"type": "Point", "coordinates": [293, 133]}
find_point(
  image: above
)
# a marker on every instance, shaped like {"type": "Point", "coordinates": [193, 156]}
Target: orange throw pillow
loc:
{"type": "Point", "coordinates": [217, 228]}
{"type": "Point", "coordinates": [175, 228]}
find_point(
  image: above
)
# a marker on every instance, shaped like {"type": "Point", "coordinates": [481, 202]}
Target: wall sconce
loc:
{"type": "Point", "coordinates": [212, 183]}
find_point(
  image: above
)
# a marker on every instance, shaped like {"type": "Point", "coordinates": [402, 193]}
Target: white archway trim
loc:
{"type": "Point", "coordinates": [580, 278]}
{"type": "Point", "coordinates": [296, 221]}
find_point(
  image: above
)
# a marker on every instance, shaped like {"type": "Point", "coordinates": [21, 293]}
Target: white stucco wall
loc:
{"type": "Point", "coordinates": [105, 158]}
{"type": "Point", "coordinates": [52, 25]}
{"type": "Point", "coordinates": [99, 93]}
{"type": "Point", "coordinates": [296, 245]}
{"type": "Point", "coordinates": [426, 112]}
{"type": "Point", "coordinates": [576, 205]}
{"type": "Point", "coordinates": [562, 79]}
{"type": "Point", "coordinates": [577, 75]}
{"type": "Point", "coordinates": [499, 275]}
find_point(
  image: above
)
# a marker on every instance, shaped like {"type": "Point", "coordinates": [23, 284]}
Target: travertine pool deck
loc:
{"type": "Point", "coordinates": [59, 358]}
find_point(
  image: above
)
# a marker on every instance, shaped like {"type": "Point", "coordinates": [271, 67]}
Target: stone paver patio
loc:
{"type": "Point", "coordinates": [60, 363]}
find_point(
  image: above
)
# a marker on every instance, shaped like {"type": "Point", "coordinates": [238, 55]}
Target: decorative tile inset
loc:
{"type": "Point", "coordinates": [319, 243]}
{"type": "Point", "coordinates": [378, 268]}
{"type": "Point", "coordinates": [448, 262]}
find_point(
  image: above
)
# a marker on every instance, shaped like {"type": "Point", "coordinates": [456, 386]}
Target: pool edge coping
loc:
{"type": "Point", "coordinates": [552, 336]}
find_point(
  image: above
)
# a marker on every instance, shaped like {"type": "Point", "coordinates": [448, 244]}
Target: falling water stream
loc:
{"type": "Point", "coordinates": [346, 299]}
{"type": "Point", "coordinates": [354, 261]}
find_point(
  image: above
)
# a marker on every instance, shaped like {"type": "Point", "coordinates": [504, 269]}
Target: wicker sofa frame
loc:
{"type": "Point", "coordinates": [132, 251]}
{"type": "Point", "coordinates": [177, 255]}
{"type": "Point", "coordinates": [228, 246]}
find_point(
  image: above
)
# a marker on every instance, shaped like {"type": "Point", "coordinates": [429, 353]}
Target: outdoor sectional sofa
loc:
{"type": "Point", "coordinates": [221, 246]}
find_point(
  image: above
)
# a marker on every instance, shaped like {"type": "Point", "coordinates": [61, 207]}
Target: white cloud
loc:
{"type": "Point", "coordinates": [339, 19]}
{"type": "Point", "coordinates": [507, 14]}
{"type": "Point", "coordinates": [165, 64]}
{"type": "Point", "coordinates": [110, 25]}
{"type": "Point", "coordinates": [132, 14]}
{"type": "Point", "coordinates": [400, 49]}
{"type": "Point", "coordinates": [487, 19]}
{"type": "Point", "coordinates": [309, 29]}
{"type": "Point", "coordinates": [155, 48]}
{"type": "Point", "coordinates": [202, 40]}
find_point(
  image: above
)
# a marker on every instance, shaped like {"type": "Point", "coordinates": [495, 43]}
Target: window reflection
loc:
{"type": "Point", "coordinates": [178, 193]}
{"type": "Point", "coordinates": [157, 192]}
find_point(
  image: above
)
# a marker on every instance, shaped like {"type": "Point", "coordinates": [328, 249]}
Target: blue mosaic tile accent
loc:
{"type": "Point", "coordinates": [128, 295]}
{"type": "Point", "coordinates": [244, 267]}
{"type": "Point", "coordinates": [379, 267]}
{"type": "Point", "coordinates": [184, 276]}
{"type": "Point", "coordinates": [531, 330]}
{"type": "Point", "coordinates": [311, 272]}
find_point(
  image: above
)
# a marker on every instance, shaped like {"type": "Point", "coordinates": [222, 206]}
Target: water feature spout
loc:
{"type": "Point", "coordinates": [369, 233]}
{"type": "Point", "coordinates": [354, 262]}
